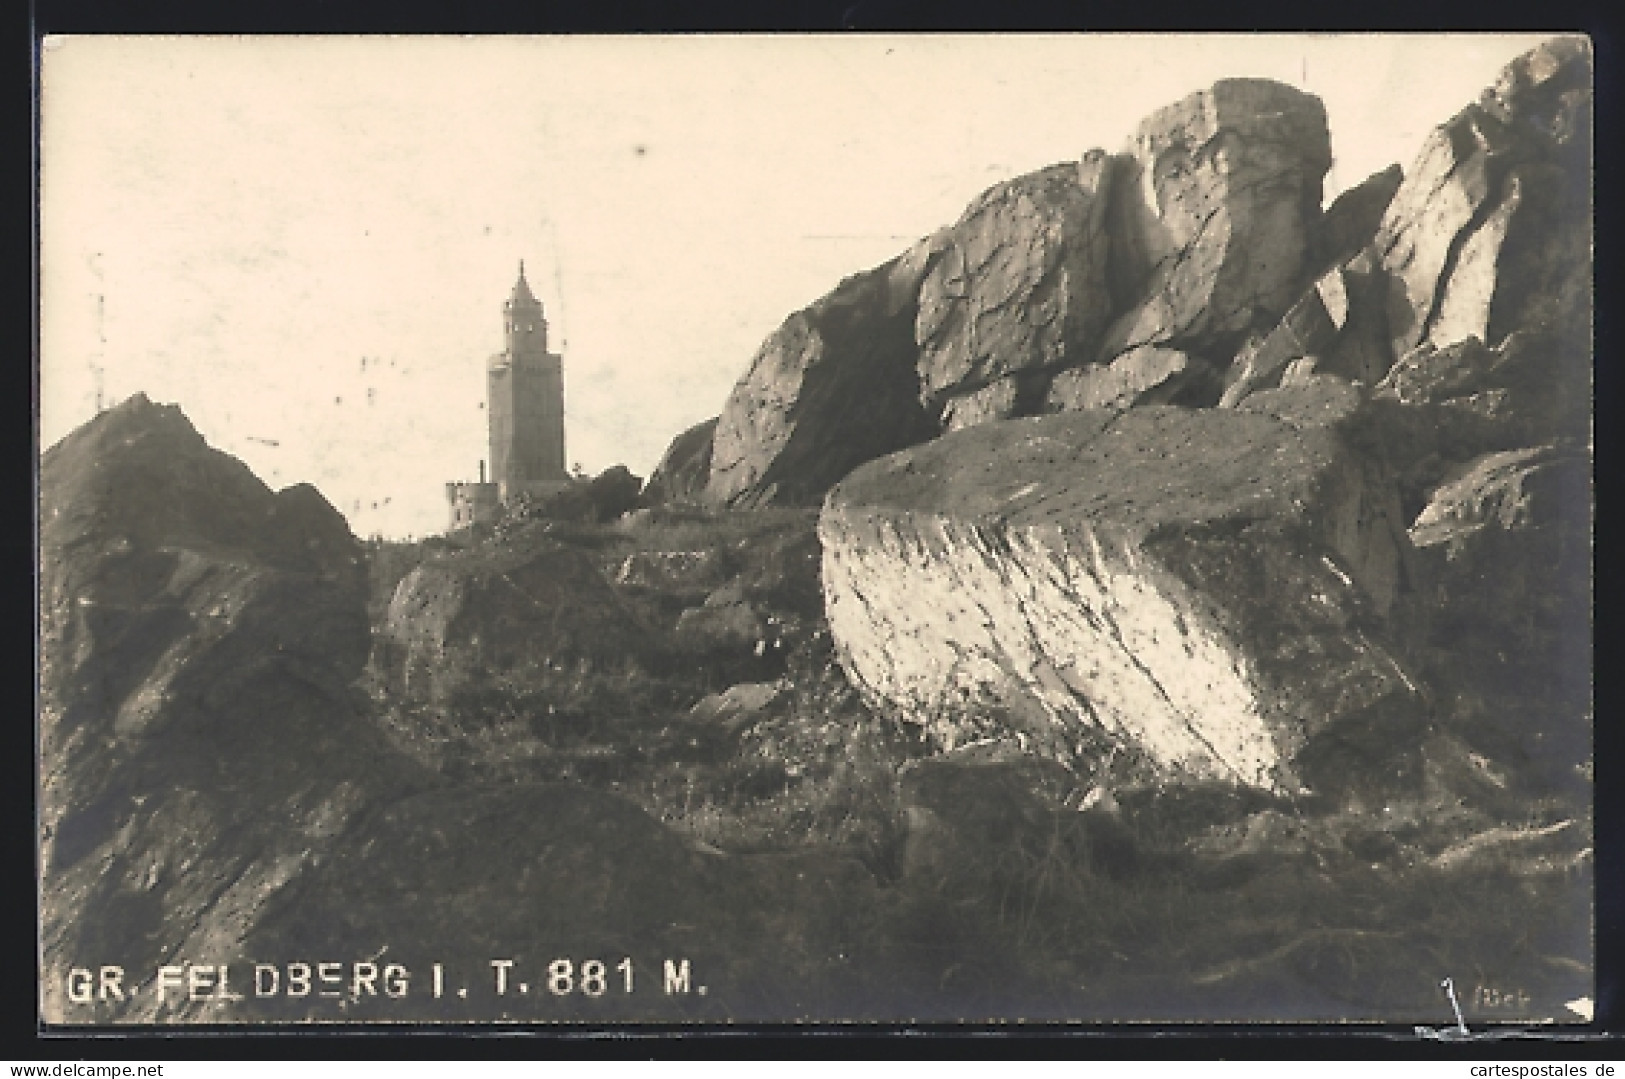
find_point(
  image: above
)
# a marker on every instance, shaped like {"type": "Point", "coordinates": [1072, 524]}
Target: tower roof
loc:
{"type": "Point", "coordinates": [521, 295]}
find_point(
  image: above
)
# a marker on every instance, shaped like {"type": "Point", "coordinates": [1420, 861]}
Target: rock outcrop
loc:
{"type": "Point", "coordinates": [1335, 328]}
{"type": "Point", "coordinates": [684, 468]}
{"type": "Point", "coordinates": [1106, 282]}
{"type": "Point", "coordinates": [1201, 589]}
{"type": "Point", "coordinates": [1506, 549]}
{"type": "Point", "coordinates": [199, 740]}
{"type": "Point", "coordinates": [216, 790]}
{"type": "Point", "coordinates": [1490, 230]}
{"type": "Point", "coordinates": [529, 602]}
{"type": "Point", "coordinates": [1414, 358]}
{"type": "Point", "coordinates": [1325, 648]}
{"type": "Point", "coordinates": [1352, 219]}
{"type": "Point", "coordinates": [1193, 269]}
{"type": "Point", "coordinates": [1018, 290]}
{"type": "Point", "coordinates": [833, 387]}
{"type": "Point", "coordinates": [1217, 223]}
{"type": "Point", "coordinates": [1486, 237]}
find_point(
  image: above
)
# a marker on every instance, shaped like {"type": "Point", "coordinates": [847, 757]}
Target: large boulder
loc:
{"type": "Point", "coordinates": [684, 468]}
{"type": "Point", "coordinates": [1505, 543]}
{"type": "Point", "coordinates": [528, 602]}
{"type": "Point", "coordinates": [200, 742]}
{"type": "Point", "coordinates": [1490, 230]}
{"type": "Point", "coordinates": [1215, 222]}
{"type": "Point", "coordinates": [1202, 589]}
{"type": "Point", "coordinates": [832, 387]}
{"type": "Point", "coordinates": [1019, 288]}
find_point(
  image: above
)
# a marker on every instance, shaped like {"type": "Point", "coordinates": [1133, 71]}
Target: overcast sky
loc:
{"type": "Point", "coordinates": [306, 242]}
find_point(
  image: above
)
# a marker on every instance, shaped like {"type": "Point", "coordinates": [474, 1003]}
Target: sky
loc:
{"type": "Point", "coordinates": [306, 242]}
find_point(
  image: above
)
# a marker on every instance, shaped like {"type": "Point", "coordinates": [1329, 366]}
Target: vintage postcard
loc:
{"type": "Point", "coordinates": [786, 529]}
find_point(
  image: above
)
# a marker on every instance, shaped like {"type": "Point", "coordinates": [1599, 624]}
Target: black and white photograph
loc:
{"type": "Point", "coordinates": [941, 528]}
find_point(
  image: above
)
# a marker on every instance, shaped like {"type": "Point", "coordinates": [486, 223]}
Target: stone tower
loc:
{"type": "Point", "coordinates": [525, 388]}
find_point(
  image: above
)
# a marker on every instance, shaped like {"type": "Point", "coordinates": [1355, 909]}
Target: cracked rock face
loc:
{"type": "Point", "coordinates": [1115, 281]}
{"type": "Point", "coordinates": [199, 741]}
{"type": "Point", "coordinates": [832, 387]}
{"type": "Point", "coordinates": [1020, 285]}
{"type": "Point", "coordinates": [1218, 215]}
{"type": "Point", "coordinates": [1490, 228]}
{"type": "Point", "coordinates": [1200, 589]}
{"type": "Point", "coordinates": [1193, 269]}
{"type": "Point", "coordinates": [1335, 328]}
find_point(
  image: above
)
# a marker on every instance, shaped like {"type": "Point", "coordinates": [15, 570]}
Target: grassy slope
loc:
{"type": "Point", "coordinates": [1200, 906]}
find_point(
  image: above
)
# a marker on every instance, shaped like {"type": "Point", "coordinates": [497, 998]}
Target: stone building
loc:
{"type": "Point", "coordinates": [473, 503]}
{"type": "Point", "coordinates": [525, 410]}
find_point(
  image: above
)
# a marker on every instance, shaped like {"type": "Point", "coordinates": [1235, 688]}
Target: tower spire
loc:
{"type": "Point", "coordinates": [521, 295]}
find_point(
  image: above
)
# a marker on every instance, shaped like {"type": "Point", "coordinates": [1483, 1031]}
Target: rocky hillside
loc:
{"type": "Point", "coordinates": [200, 737]}
{"type": "Point", "coordinates": [1196, 264]}
{"type": "Point", "coordinates": [1157, 595]}
{"type": "Point", "coordinates": [1223, 592]}
{"type": "Point", "coordinates": [217, 788]}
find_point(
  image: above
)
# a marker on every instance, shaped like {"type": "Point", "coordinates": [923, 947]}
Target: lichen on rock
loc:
{"type": "Point", "coordinates": [1093, 573]}
{"type": "Point", "coordinates": [1020, 285]}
